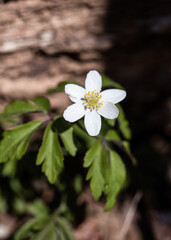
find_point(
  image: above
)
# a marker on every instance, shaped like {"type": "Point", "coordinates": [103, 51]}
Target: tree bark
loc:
{"type": "Point", "coordinates": [44, 42]}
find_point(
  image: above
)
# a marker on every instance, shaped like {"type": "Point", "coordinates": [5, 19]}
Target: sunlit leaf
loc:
{"type": "Point", "coordinates": [16, 140]}
{"type": "Point", "coordinates": [66, 229]}
{"type": "Point", "coordinates": [51, 227]}
{"type": "Point", "coordinates": [78, 184]}
{"type": "Point", "coordinates": [84, 139]}
{"type": "Point", "coordinates": [68, 141]}
{"type": "Point", "coordinates": [20, 107]}
{"type": "Point", "coordinates": [126, 144]}
{"type": "Point", "coordinates": [92, 153]}
{"type": "Point", "coordinates": [95, 159]}
{"type": "Point", "coordinates": [42, 103]}
{"type": "Point", "coordinates": [111, 122]}
{"type": "Point", "coordinates": [37, 208]}
{"type": "Point", "coordinates": [108, 82]}
{"type": "Point", "coordinates": [112, 135]}
{"type": "Point", "coordinates": [25, 231]}
{"type": "Point", "coordinates": [48, 232]}
{"type": "Point", "coordinates": [4, 118]}
{"type": "Point", "coordinates": [124, 124]}
{"type": "Point", "coordinates": [50, 154]}
{"type": "Point", "coordinates": [116, 179]}
{"type": "Point", "coordinates": [23, 146]}
{"type": "Point", "coordinates": [9, 168]}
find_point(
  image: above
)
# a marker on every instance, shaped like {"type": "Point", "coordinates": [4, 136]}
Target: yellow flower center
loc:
{"type": "Point", "coordinates": [92, 100]}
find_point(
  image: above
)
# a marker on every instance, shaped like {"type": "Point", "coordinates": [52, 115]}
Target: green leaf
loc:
{"type": "Point", "coordinates": [48, 232]}
{"type": "Point", "coordinates": [19, 107]}
{"type": "Point", "coordinates": [84, 139]}
{"type": "Point", "coordinates": [25, 230]}
{"type": "Point", "coordinates": [124, 124]}
{"type": "Point", "coordinates": [78, 184]}
{"type": "Point", "coordinates": [116, 178]}
{"type": "Point", "coordinates": [126, 144]}
{"type": "Point", "coordinates": [67, 139]}
{"type": "Point", "coordinates": [16, 140]}
{"type": "Point", "coordinates": [60, 125]}
{"type": "Point", "coordinates": [65, 228]}
{"type": "Point", "coordinates": [111, 122]}
{"type": "Point", "coordinates": [51, 234]}
{"type": "Point", "coordinates": [112, 135]}
{"type": "Point", "coordinates": [127, 150]}
{"type": "Point", "coordinates": [96, 159]}
{"type": "Point", "coordinates": [60, 234]}
{"type": "Point", "coordinates": [42, 103]}
{"type": "Point", "coordinates": [50, 154]}
{"type": "Point", "coordinates": [45, 228]}
{"type": "Point", "coordinates": [9, 168]}
{"type": "Point", "coordinates": [37, 208]}
{"type": "Point", "coordinates": [108, 82]}
{"type": "Point", "coordinates": [97, 180]}
{"type": "Point", "coordinates": [92, 153]}
{"type": "Point", "coordinates": [61, 86]}
{"type": "Point", "coordinates": [8, 119]}
{"type": "Point", "coordinates": [23, 146]}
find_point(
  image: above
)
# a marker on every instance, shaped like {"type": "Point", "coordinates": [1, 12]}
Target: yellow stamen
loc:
{"type": "Point", "coordinates": [92, 100]}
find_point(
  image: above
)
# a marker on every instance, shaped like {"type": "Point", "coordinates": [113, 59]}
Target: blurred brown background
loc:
{"type": "Point", "coordinates": [45, 42]}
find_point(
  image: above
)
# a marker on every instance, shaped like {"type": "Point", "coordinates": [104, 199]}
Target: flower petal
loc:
{"type": "Point", "coordinates": [74, 99]}
{"type": "Point", "coordinates": [74, 91]}
{"type": "Point", "coordinates": [74, 112]}
{"type": "Point", "coordinates": [113, 95]}
{"type": "Point", "coordinates": [93, 81]}
{"type": "Point", "coordinates": [108, 110]}
{"type": "Point", "coordinates": [92, 121]}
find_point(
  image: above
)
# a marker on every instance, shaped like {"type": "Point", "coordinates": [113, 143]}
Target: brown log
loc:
{"type": "Point", "coordinates": [44, 42]}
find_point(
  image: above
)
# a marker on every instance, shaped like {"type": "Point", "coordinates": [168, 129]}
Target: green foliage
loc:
{"type": "Point", "coordinates": [107, 172]}
{"type": "Point", "coordinates": [65, 229]}
{"type": "Point", "coordinates": [65, 131]}
{"type": "Point", "coordinates": [111, 122]}
{"type": "Point", "coordinates": [45, 227]}
{"type": "Point", "coordinates": [116, 179]}
{"type": "Point", "coordinates": [78, 184]}
{"type": "Point", "coordinates": [95, 160]}
{"type": "Point", "coordinates": [67, 139]}
{"type": "Point", "coordinates": [112, 135]}
{"type": "Point", "coordinates": [19, 107]}
{"type": "Point", "coordinates": [42, 103]}
{"type": "Point", "coordinates": [124, 124]}
{"type": "Point", "coordinates": [25, 230]}
{"type": "Point", "coordinates": [35, 208]}
{"type": "Point", "coordinates": [108, 82]}
{"type": "Point", "coordinates": [50, 154]}
{"type": "Point", "coordinates": [10, 167]}
{"type": "Point", "coordinates": [16, 140]}
{"type": "Point", "coordinates": [84, 139]}
{"type": "Point", "coordinates": [8, 119]}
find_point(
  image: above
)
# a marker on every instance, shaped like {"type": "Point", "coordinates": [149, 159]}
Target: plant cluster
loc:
{"type": "Point", "coordinates": [102, 157]}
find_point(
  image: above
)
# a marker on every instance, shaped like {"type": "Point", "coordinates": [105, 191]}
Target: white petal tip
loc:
{"type": "Point", "coordinates": [93, 71]}
{"type": "Point", "coordinates": [66, 88]}
{"type": "Point", "coordinates": [93, 135]}
{"type": "Point", "coordinates": [124, 94]}
{"type": "Point", "coordinates": [65, 116]}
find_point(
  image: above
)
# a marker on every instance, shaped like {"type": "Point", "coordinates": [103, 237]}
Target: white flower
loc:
{"type": "Point", "coordinates": [91, 104]}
